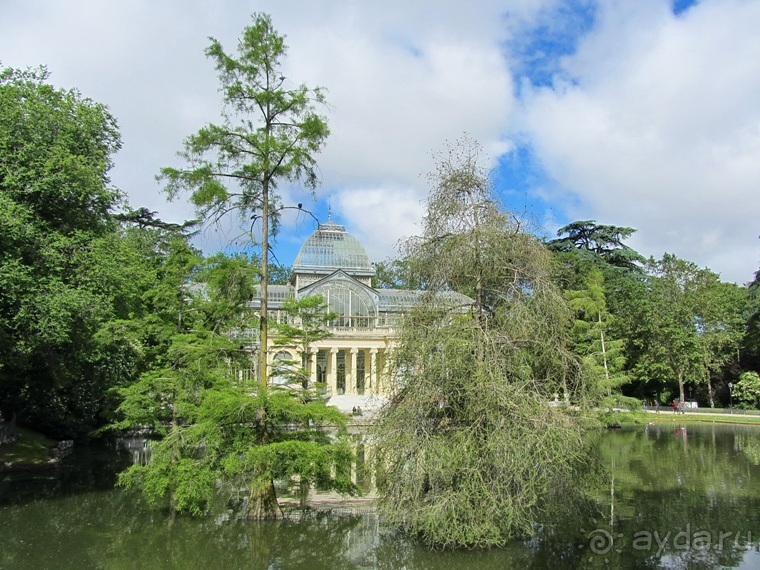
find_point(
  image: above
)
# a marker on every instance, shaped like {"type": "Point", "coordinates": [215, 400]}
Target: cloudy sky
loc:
{"type": "Point", "coordinates": [640, 113]}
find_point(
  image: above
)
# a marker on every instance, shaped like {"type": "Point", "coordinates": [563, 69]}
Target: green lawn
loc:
{"type": "Point", "coordinates": [29, 447]}
{"type": "Point", "coordinates": [669, 417]}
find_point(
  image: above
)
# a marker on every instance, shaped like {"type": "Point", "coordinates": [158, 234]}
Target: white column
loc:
{"type": "Point", "coordinates": [270, 359]}
{"type": "Point", "coordinates": [351, 384]}
{"type": "Point", "coordinates": [373, 387]}
{"type": "Point", "coordinates": [354, 448]}
{"type": "Point", "coordinates": [313, 365]}
{"type": "Point", "coordinates": [382, 373]}
{"type": "Point", "coordinates": [332, 372]}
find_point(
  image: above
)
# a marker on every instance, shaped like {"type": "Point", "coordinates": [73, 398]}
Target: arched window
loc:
{"type": "Point", "coordinates": [283, 363]}
{"type": "Point", "coordinates": [354, 305]}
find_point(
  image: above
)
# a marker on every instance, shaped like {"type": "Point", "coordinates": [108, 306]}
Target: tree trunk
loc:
{"type": "Point", "coordinates": [303, 492]}
{"type": "Point", "coordinates": [604, 356]}
{"type": "Point", "coordinates": [262, 502]}
{"type": "Point", "coordinates": [172, 510]}
{"type": "Point", "coordinates": [263, 316]}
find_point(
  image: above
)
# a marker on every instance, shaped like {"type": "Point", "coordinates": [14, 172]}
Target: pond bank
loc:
{"type": "Point", "coordinates": [667, 416]}
{"type": "Point", "coordinates": [32, 451]}
{"type": "Point", "coordinates": [330, 503]}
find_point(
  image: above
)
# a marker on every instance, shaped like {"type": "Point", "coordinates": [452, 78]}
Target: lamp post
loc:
{"type": "Point", "coordinates": [731, 397]}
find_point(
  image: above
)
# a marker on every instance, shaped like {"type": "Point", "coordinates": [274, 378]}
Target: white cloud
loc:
{"type": "Point", "coordinates": [387, 214]}
{"type": "Point", "coordinates": [656, 125]}
{"type": "Point", "coordinates": [401, 77]}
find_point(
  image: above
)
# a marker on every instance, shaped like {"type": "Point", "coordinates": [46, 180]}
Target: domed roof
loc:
{"type": "Point", "coordinates": [330, 248]}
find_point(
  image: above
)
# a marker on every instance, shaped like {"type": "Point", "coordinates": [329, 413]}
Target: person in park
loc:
{"type": "Point", "coordinates": [675, 406]}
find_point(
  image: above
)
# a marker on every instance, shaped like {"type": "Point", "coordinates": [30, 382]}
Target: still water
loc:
{"type": "Point", "coordinates": [673, 497]}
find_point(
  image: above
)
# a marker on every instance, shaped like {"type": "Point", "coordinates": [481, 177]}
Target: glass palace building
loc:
{"type": "Point", "coordinates": [352, 361]}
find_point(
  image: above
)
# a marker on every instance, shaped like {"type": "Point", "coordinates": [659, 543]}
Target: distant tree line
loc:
{"type": "Point", "coordinates": [654, 329]}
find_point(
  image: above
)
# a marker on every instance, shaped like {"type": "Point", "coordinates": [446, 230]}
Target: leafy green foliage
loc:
{"type": "Point", "coordinates": [687, 326]}
{"type": "Point", "coordinates": [306, 324]}
{"type": "Point", "coordinates": [603, 357]}
{"type": "Point", "coordinates": [604, 241]}
{"type": "Point", "coordinates": [471, 451]}
{"type": "Point", "coordinates": [270, 133]}
{"type": "Point", "coordinates": [65, 270]}
{"type": "Point", "coordinates": [55, 152]}
{"type": "Point", "coordinates": [219, 433]}
{"type": "Point", "coordinates": [394, 274]}
{"type": "Point", "coordinates": [747, 389]}
{"type": "Point", "coordinates": [751, 341]}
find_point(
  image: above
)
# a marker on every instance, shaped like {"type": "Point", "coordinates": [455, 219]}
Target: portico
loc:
{"type": "Point", "coordinates": [350, 370]}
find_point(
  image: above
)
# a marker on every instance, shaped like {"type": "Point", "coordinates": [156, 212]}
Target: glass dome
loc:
{"type": "Point", "coordinates": [331, 248]}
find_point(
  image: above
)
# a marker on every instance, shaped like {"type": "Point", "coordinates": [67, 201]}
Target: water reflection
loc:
{"type": "Point", "coordinates": [90, 468]}
{"type": "Point", "coordinates": [675, 497]}
{"type": "Point", "coordinates": [683, 496]}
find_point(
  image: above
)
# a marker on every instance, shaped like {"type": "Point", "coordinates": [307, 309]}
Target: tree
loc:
{"type": "Point", "coordinates": [219, 435]}
{"type": "Point", "coordinates": [666, 334]}
{"type": "Point", "coordinates": [687, 325]}
{"type": "Point", "coordinates": [751, 341]}
{"type": "Point", "coordinates": [604, 241]}
{"type": "Point", "coordinates": [471, 452]}
{"type": "Point", "coordinates": [270, 133]}
{"type": "Point", "coordinates": [588, 247]}
{"type": "Point", "coordinates": [305, 324]}
{"type": "Point", "coordinates": [307, 320]}
{"type": "Point", "coordinates": [722, 327]}
{"type": "Point", "coordinates": [747, 389]}
{"type": "Point", "coordinates": [56, 152]}
{"type": "Point", "coordinates": [279, 274]}
{"type": "Point", "coordinates": [394, 274]}
{"type": "Point", "coordinates": [65, 271]}
{"type": "Point", "coordinates": [602, 356]}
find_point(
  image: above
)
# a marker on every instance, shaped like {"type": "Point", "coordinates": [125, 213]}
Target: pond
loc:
{"type": "Point", "coordinates": [675, 497]}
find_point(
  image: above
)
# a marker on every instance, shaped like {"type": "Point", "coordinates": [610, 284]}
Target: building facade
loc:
{"type": "Point", "coordinates": [353, 361]}
{"type": "Point", "coordinates": [335, 265]}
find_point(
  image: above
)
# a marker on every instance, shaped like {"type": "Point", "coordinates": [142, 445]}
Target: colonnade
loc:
{"type": "Point", "coordinates": [350, 371]}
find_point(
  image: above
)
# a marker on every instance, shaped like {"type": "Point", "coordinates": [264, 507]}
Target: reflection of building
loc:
{"type": "Point", "coordinates": [335, 265]}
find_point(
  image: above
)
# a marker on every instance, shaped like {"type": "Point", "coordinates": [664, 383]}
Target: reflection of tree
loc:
{"type": "Point", "coordinates": [700, 484]}
{"type": "Point", "coordinates": [749, 446]}
{"type": "Point", "coordinates": [708, 484]}
{"type": "Point", "coordinates": [90, 467]}
{"type": "Point", "coordinates": [245, 544]}
{"type": "Point", "coordinates": [114, 530]}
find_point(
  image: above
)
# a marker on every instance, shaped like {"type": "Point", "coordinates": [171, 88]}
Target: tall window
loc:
{"type": "Point", "coordinates": [354, 306]}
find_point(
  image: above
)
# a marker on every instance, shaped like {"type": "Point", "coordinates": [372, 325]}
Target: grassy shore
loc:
{"type": "Point", "coordinates": [30, 447]}
{"type": "Point", "coordinates": [665, 417]}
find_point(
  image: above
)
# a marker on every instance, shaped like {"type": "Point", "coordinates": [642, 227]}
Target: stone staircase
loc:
{"type": "Point", "coordinates": [369, 405]}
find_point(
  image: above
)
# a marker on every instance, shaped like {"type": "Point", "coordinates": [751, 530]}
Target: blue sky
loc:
{"type": "Point", "coordinates": [641, 114]}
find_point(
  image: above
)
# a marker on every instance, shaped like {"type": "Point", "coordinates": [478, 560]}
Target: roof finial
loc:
{"type": "Point", "coordinates": [329, 209]}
